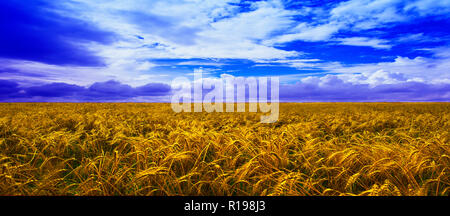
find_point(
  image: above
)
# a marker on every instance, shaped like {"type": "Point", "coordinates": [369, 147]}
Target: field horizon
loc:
{"type": "Point", "coordinates": [314, 149]}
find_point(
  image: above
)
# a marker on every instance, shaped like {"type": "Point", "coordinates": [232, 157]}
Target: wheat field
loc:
{"type": "Point", "coordinates": [327, 149]}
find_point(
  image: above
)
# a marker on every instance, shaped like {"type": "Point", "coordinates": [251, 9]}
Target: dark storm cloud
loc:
{"type": "Point", "coordinates": [100, 91]}
{"type": "Point", "coordinates": [110, 90]}
{"type": "Point", "coordinates": [55, 90]}
{"type": "Point", "coordinates": [114, 90]}
{"type": "Point", "coordinates": [153, 89]}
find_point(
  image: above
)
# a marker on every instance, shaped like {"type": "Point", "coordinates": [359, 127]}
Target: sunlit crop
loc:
{"type": "Point", "coordinates": [147, 149]}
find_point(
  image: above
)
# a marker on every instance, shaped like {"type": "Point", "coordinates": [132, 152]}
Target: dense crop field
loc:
{"type": "Point", "coordinates": [147, 149]}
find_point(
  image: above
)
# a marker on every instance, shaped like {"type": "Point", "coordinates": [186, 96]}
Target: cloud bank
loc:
{"type": "Point", "coordinates": [109, 91]}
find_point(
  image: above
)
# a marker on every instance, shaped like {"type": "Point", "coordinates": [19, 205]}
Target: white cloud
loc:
{"type": "Point", "coordinates": [380, 77]}
{"type": "Point", "coordinates": [145, 66]}
{"type": "Point", "coordinates": [203, 63]}
{"type": "Point", "coordinates": [432, 70]}
{"type": "Point", "coordinates": [216, 29]}
{"type": "Point", "coordinates": [425, 7]}
{"type": "Point", "coordinates": [429, 70]}
{"type": "Point", "coordinates": [357, 15]}
{"type": "Point", "coordinates": [351, 15]}
{"type": "Point", "coordinates": [410, 37]}
{"type": "Point", "coordinates": [306, 32]}
{"type": "Point", "coordinates": [366, 14]}
{"type": "Point", "coordinates": [189, 29]}
{"type": "Point", "coordinates": [255, 25]}
{"type": "Point", "coordinates": [364, 41]}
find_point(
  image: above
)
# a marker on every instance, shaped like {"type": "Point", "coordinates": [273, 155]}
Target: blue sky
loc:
{"type": "Point", "coordinates": [106, 50]}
